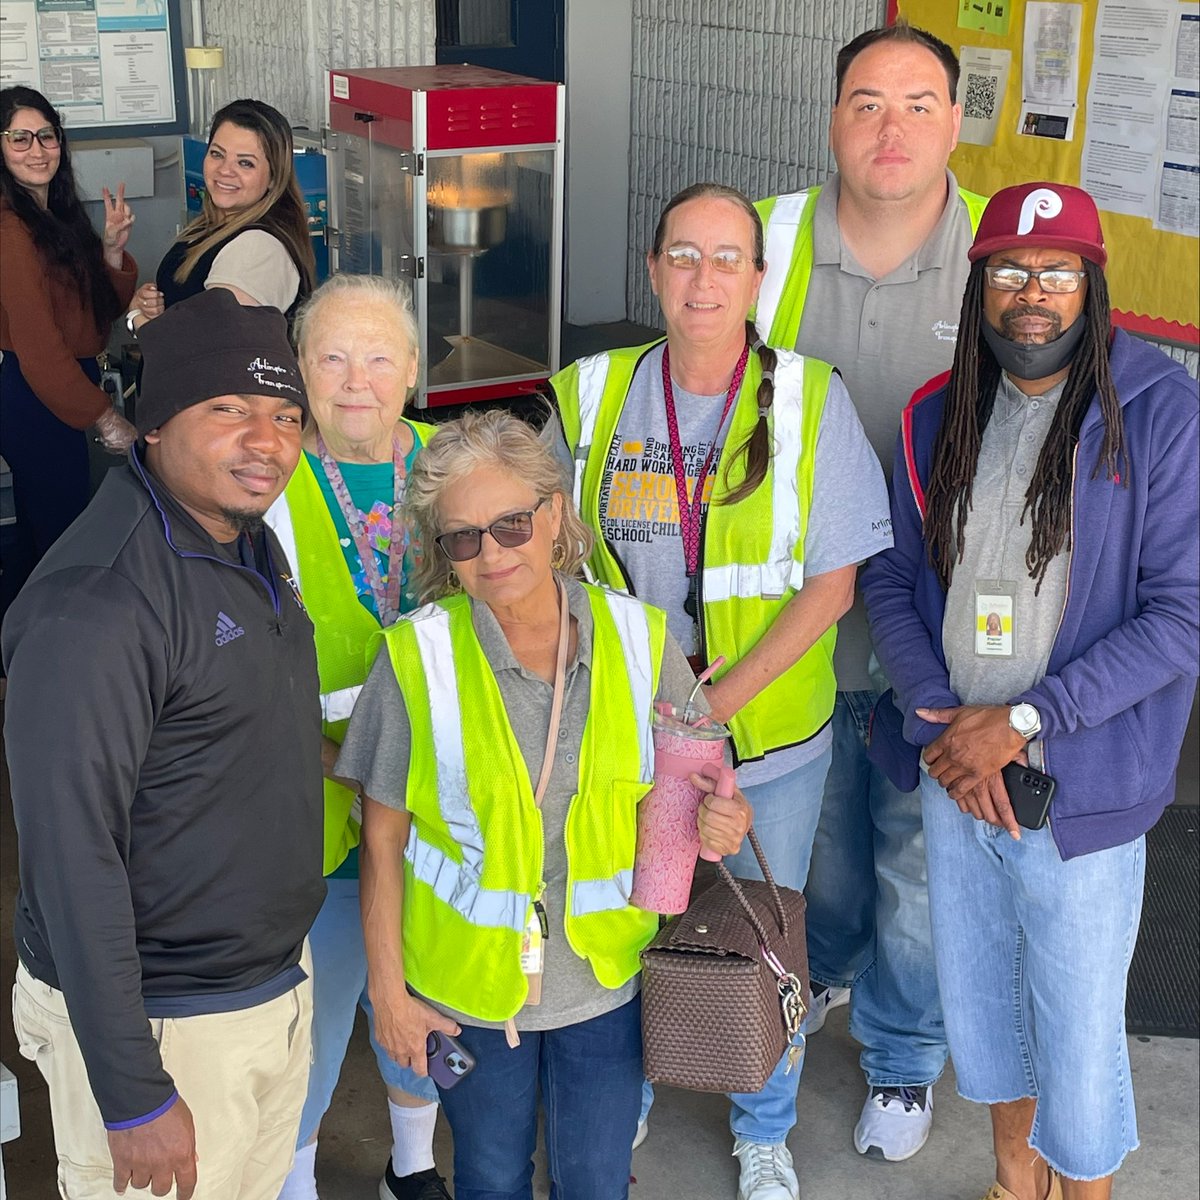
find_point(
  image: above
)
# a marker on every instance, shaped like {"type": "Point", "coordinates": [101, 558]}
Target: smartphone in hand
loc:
{"type": "Point", "coordinates": [449, 1060]}
{"type": "Point", "coordinates": [1029, 793]}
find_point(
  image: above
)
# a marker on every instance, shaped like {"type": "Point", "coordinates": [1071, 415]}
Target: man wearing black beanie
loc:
{"type": "Point", "coordinates": [163, 736]}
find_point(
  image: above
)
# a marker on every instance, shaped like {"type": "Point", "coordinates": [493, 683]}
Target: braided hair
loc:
{"type": "Point", "coordinates": [755, 451]}
{"type": "Point", "coordinates": [970, 398]}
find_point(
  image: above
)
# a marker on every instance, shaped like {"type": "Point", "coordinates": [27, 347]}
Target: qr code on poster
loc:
{"type": "Point", "coordinates": [981, 97]}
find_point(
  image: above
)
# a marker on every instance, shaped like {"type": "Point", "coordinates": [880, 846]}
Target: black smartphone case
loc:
{"type": "Point", "coordinates": [1029, 792]}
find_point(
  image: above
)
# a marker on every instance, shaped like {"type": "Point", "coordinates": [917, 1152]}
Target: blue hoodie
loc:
{"type": "Point", "coordinates": [1118, 688]}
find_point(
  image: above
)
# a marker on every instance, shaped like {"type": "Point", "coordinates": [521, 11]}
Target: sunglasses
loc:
{"type": "Point", "coordinates": [513, 529]}
{"type": "Point", "coordinates": [21, 139]}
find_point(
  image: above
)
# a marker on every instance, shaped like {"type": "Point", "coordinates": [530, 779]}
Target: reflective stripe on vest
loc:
{"type": "Point", "coordinates": [780, 238]}
{"type": "Point", "coordinates": [781, 571]}
{"type": "Point", "coordinates": [457, 884]}
{"type": "Point", "coordinates": [592, 372]}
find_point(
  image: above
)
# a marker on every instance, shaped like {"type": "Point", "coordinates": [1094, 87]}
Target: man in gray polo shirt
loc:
{"type": "Point", "coordinates": [867, 272]}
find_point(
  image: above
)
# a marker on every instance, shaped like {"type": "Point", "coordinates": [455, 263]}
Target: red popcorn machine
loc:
{"type": "Point", "coordinates": [452, 176]}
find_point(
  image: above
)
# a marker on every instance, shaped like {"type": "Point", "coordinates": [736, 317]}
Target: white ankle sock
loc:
{"type": "Point", "coordinates": [412, 1137]}
{"type": "Point", "coordinates": [301, 1183]}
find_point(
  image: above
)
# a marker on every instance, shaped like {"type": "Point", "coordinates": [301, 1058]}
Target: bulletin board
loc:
{"type": "Point", "coordinates": [1153, 273]}
{"type": "Point", "coordinates": [113, 68]}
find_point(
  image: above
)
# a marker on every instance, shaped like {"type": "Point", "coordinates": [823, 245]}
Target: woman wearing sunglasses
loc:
{"type": "Point", "coordinates": [502, 743]}
{"type": "Point", "coordinates": [732, 485]}
{"type": "Point", "coordinates": [61, 288]}
{"type": "Point", "coordinates": [340, 523]}
{"type": "Point", "coordinates": [252, 232]}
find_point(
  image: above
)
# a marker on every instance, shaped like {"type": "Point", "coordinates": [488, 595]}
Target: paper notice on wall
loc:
{"type": "Point", "coordinates": [1140, 149]}
{"type": "Point", "coordinates": [18, 44]}
{"type": "Point", "coordinates": [982, 84]}
{"type": "Point", "coordinates": [1179, 199]}
{"type": "Point", "coordinates": [1050, 71]}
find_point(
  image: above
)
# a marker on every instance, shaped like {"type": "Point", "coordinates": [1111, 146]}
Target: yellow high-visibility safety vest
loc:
{"type": "Point", "coordinates": [788, 235]}
{"type": "Point", "coordinates": [752, 557]}
{"type": "Point", "coordinates": [342, 627]}
{"type": "Point", "coordinates": [474, 858]}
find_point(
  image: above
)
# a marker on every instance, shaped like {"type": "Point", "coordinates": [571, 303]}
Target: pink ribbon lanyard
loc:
{"type": "Point", "coordinates": [387, 596]}
{"type": "Point", "coordinates": [690, 507]}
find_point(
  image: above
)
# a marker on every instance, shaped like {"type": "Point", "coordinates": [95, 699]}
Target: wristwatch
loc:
{"type": "Point", "coordinates": [129, 317]}
{"type": "Point", "coordinates": [1026, 720]}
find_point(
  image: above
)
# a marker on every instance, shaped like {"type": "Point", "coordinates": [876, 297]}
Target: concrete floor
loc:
{"type": "Point", "coordinates": [688, 1151]}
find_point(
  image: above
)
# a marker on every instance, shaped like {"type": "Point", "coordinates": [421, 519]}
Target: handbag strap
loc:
{"type": "Point", "coordinates": [736, 888]}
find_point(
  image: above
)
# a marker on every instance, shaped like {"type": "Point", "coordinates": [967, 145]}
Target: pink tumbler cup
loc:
{"type": "Point", "coordinates": [668, 840]}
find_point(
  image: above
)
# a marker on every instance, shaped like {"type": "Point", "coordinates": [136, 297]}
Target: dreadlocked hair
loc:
{"type": "Point", "coordinates": [970, 398]}
{"type": "Point", "coordinates": [755, 451]}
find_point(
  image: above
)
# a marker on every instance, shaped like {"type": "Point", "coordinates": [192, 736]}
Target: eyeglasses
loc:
{"type": "Point", "coordinates": [688, 258]}
{"type": "Point", "coordinates": [513, 529]}
{"type": "Point", "coordinates": [21, 139]}
{"type": "Point", "coordinates": [1014, 279]}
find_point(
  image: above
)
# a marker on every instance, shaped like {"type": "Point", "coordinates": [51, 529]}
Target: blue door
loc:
{"type": "Point", "coordinates": [521, 36]}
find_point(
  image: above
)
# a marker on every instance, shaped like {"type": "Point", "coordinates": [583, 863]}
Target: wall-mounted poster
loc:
{"type": "Point", "coordinates": [111, 67]}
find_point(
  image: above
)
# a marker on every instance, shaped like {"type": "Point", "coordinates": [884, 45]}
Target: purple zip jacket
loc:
{"type": "Point", "coordinates": [1118, 688]}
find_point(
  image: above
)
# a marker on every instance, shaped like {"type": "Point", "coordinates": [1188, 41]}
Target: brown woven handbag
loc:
{"type": "Point", "coordinates": [725, 985]}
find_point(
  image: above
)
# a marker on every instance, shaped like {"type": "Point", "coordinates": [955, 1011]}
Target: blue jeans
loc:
{"type": "Point", "coordinates": [590, 1076]}
{"type": "Point", "coordinates": [1032, 956]}
{"type": "Point", "coordinates": [339, 962]}
{"type": "Point", "coordinates": [785, 818]}
{"type": "Point", "coordinates": [868, 910]}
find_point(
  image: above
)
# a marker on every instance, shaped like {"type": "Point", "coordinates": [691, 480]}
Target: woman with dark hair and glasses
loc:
{"type": "Point", "coordinates": [62, 286]}
{"type": "Point", "coordinates": [252, 232]}
{"type": "Point", "coordinates": [501, 744]}
{"type": "Point", "coordinates": [732, 485]}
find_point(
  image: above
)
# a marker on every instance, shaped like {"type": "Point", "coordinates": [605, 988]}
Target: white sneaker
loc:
{"type": "Point", "coordinates": [895, 1121]}
{"type": "Point", "coordinates": [643, 1132]}
{"type": "Point", "coordinates": [821, 1004]}
{"type": "Point", "coordinates": [767, 1172]}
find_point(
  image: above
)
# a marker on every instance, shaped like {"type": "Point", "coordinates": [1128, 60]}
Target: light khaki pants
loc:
{"type": "Point", "coordinates": [243, 1075]}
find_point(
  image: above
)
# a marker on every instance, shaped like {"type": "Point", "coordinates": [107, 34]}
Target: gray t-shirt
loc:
{"type": "Point", "coordinates": [994, 549]}
{"type": "Point", "coordinates": [376, 753]}
{"type": "Point", "coordinates": [639, 512]}
{"type": "Point", "coordinates": [887, 337]}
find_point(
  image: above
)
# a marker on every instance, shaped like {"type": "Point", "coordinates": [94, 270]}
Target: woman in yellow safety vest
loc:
{"type": "Point", "coordinates": [340, 523]}
{"type": "Point", "coordinates": [732, 485]}
{"type": "Point", "coordinates": [502, 743]}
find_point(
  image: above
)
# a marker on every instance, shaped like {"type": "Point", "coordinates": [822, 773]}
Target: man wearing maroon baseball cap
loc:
{"type": "Point", "coordinates": [1038, 620]}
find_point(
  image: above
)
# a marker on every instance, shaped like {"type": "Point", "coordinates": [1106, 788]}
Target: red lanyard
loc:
{"type": "Point", "coordinates": [690, 506]}
{"type": "Point", "coordinates": [387, 596]}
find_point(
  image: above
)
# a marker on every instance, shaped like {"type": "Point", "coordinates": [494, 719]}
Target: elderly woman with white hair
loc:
{"type": "Point", "coordinates": [340, 522]}
{"type": "Point", "coordinates": [502, 742]}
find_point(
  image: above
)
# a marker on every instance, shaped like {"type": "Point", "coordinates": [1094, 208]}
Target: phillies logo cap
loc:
{"type": "Point", "coordinates": [1051, 216]}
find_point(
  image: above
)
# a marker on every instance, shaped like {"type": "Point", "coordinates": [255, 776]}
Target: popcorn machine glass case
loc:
{"type": "Point", "coordinates": [452, 177]}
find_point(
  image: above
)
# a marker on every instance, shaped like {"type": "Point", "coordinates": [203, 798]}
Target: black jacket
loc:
{"type": "Point", "coordinates": [163, 736]}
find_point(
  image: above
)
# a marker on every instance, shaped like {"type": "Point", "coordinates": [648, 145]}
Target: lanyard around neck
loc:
{"type": "Point", "coordinates": [690, 506]}
{"type": "Point", "coordinates": [387, 596]}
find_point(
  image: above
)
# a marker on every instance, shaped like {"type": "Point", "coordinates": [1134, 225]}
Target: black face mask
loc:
{"type": "Point", "coordinates": [1025, 360]}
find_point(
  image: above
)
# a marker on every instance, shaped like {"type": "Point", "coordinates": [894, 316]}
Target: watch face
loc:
{"type": "Point", "coordinates": [1024, 719]}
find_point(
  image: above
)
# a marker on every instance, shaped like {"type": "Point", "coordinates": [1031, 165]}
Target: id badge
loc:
{"type": "Point", "coordinates": [533, 955]}
{"type": "Point", "coordinates": [995, 611]}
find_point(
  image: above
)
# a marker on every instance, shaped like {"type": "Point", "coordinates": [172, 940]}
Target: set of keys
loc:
{"type": "Point", "coordinates": [791, 998]}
